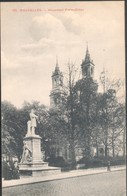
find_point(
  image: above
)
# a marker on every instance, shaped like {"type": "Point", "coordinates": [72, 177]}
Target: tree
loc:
{"type": "Point", "coordinates": [117, 128]}
{"type": "Point", "coordinates": [70, 109]}
{"type": "Point", "coordinates": [86, 92]}
{"type": "Point", "coordinates": [97, 129]}
{"type": "Point", "coordinates": [56, 133]}
{"type": "Point", "coordinates": [111, 113]}
{"type": "Point", "coordinates": [9, 129]}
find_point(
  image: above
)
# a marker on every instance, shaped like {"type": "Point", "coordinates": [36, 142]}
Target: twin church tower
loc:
{"type": "Point", "coordinates": [57, 92]}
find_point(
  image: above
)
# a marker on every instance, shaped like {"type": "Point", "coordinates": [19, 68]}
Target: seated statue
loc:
{"type": "Point", "coordinates": [27, 154]}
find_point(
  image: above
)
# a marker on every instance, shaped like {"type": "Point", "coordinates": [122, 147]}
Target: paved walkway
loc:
{"type": "Point", "coordinates": [62, 175]}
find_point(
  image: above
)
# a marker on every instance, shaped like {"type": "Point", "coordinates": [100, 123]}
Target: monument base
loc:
{"type": "Point", "coordinates": [32, 163]}
{"type": "Point", "coordinates": [41, 169]}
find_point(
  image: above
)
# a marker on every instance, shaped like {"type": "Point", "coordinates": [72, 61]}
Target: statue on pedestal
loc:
{"type": "Point", "coordinates": [32, 124]}
{"type": "Point", "coordinates": [32, 162]}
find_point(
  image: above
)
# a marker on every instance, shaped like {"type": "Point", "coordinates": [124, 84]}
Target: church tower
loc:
{"type": "Point", "coordinates": [87, 66]}
{"type": "Point", "coordinates": [57, 87]}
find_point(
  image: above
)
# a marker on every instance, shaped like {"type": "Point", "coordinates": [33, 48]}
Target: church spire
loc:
{"type": "Point", "coordinates": [87, 65]}
{"type": "Point", "coordinates": [87, 57]}
{"type": "Point", "coordinates": [57, 86]}
{"type": "Point", "coordinates": [57, 70]}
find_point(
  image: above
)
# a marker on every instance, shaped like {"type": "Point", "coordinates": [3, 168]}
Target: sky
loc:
{"type": "Point", "coordinates": [33, 34]}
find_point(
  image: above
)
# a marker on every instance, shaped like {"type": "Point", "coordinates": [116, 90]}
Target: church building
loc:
{"type": "Point", "coordinates": [57, 92]}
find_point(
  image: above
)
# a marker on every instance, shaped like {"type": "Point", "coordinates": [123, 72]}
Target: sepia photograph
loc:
{"type": "Point", "coordinates": [63, 127]}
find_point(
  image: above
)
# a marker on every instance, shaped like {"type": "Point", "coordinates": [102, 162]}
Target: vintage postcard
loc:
{"type": "Point", "coordinates": [63, 98]}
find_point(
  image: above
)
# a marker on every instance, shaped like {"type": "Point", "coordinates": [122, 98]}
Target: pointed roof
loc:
{"type": "Point", "coordinates": [57, 70]}
{"type": "Point", "coordinates": [87, 57]}
{"type": "Point", "coordinates": [57, 66]}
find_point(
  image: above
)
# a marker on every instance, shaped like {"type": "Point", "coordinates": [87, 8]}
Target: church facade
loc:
{"type": "Point", "coordinates": [57, 91]}
{"type": "Point", "coordinates": [56, 97]}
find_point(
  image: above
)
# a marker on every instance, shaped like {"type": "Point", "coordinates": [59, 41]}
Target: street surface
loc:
{"type": "Point", "coordinates": [105, 184]}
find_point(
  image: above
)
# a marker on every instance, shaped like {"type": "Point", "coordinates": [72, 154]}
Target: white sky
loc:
{"type": "Point", "coordinates": [32, 39]}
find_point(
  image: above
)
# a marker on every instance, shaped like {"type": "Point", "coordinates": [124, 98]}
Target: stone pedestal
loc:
{"type": "Point", "coordinates": [34, 144]}
{"type": "Point", "coordinates": [35, 170]}
{"type": "Point", "coordinates": [35, 166]}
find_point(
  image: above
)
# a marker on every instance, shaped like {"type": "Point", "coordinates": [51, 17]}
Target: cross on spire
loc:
{"type": "Point", "coordinates": [56, 61]}
{"type": "Point", "coordinates": [57, 71]}
{"type": "Point", "coordinates": [87, 46]}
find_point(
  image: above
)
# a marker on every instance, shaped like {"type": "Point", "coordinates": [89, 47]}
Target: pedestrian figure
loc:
{"type": "Point", "coordinates": [8, 171]}
{"type": "Point", "coordinates": [108, 166]}
{"type": "Point", "coordinates": [16, 174]}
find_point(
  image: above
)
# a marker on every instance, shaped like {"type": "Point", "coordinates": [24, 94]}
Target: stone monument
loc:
{"type": "Point", "coordinates": [32, 162]}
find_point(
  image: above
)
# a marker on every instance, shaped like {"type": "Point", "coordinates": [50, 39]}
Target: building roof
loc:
{"type": "Point", "coordinates": [87, 57]}
{"type": "Point", "coordinates": [57, 70]}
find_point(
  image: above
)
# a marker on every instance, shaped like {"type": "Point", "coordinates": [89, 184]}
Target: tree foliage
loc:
{"type": "Point", "coordinates": [84, 118]}
{"type": "Point", "coordinates": [85, 111]}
